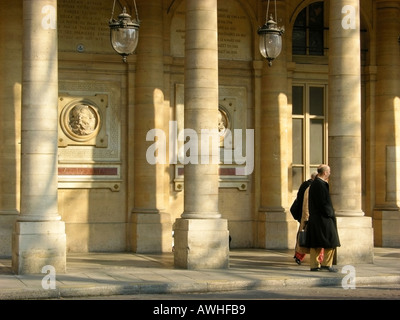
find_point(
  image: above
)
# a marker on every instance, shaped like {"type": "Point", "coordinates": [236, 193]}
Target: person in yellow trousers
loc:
{"type": "Point", "coordinates": [322, 227]}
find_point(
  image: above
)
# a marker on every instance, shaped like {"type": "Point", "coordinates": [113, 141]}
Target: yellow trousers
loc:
{"type": "Point", "coordinates": [328, 257]}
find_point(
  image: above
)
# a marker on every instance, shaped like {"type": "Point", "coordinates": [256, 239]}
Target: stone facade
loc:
{"type": "Point", "coordinates": [68, 186]}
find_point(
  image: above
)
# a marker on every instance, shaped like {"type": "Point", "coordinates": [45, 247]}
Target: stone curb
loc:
{"type": "Point", "coordinates": [174, 287]}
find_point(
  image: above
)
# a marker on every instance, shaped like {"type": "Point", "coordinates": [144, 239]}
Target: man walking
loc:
{"type": "Point", "coordinates": [322, 228]}
{"type": "Point", "coordinates": [302, 198]}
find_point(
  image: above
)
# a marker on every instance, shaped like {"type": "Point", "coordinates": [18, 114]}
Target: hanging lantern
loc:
{"type": "Point", "coordinates": [124, 33]}
{"type": "Point", "coordinates": [270, 44]}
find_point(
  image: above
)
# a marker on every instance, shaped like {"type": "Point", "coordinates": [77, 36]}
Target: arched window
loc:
{"type": "Point", "coordinates": [308, 31]}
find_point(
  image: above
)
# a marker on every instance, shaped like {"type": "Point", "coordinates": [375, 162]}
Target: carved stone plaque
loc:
{"type": "Point", "coordinates": [89, 146]}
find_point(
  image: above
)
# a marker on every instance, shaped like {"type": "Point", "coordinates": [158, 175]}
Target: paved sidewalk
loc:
{"type": "Point", "coordinates": [96, 274]}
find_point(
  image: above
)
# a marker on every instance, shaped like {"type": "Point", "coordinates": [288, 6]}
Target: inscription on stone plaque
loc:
{"type": "Point", "coordinates": [234, 32]}
{"type": "Point", "coordinates": [83, 25]}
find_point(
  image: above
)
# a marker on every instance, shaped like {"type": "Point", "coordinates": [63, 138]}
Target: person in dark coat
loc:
{"type": "Point", "coordinates": [321, 228]}
{"type": "Point", "coordinates": [300, 194]}
{"type": "Point", "coordinates": [302, 197]}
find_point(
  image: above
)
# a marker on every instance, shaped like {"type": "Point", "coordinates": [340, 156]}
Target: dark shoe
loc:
{"type": "Point", "coordinates": [330, 269]}
{"type": "Point", "coordinates": [315, 269]}
{"type": "Point", "coordinates": [297, 261]}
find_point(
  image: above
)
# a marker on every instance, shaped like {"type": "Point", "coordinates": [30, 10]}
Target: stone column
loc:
{"type": "Point", "coordinates": [10, 126]}
{"type": "Point", "coordinates": [387, 136]}
{"type": "Point", "coordinates": [151, 226]}
{"type": "Point", "coordinates": [201, 236]}
{"type": "Point", "coordinates": [39, 236]}
{"type": "Point", "coordinates": [344, 132]}
{"type": "Point", "coordinates": [277, 229]}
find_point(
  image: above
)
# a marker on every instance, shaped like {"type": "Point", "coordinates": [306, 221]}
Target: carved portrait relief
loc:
{"type": "Point", "coordinates": [81, 121]}
{"type": "Point", "coordinates": [224, 123]}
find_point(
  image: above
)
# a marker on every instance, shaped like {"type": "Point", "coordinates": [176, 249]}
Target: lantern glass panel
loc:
{"type": "Point", "coordinates": [270, 45]}
{"type": "Point", "coordinates": [124, 40]}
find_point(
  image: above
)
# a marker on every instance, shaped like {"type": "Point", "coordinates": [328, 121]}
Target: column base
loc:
{"type": "Point", "coordinates": [277, 230]}
{"type": "Point", "coordinates": [37, 244]}
{"type": "Point", "coordinates": [151, 232]}
{"type": "Point", "coordinates": [357, 240]}
{"type": "Point", "coordinates": [201, 244]}
{"type": "Point", "coordinates": [386, 228]}
{"type": "Point", "coordinates": [7, 222]}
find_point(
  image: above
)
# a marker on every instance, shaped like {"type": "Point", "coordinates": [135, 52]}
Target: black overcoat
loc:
{"type": "Point", "coordinates": [321, 228]}
{"type": "Point", "coordinates": [300, 194]}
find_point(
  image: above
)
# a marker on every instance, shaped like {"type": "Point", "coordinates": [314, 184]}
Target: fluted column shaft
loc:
{"type": "Point", "coordinates": [39, 237]}
{"type": "Point", "coordinates": [10, 124]}
{"type": "Point", "coordinates": [387, 137]}
{"type": "Point", "coordinates": [149, 103]}
{"type": "Point", "coordinates": [39, 200]}
{"type": "Point", "coordinates": [344, 141]}
{"type": "Point", "coordinates": [275, 147]}
{"type": "Point", "coordinates": [201, 236]}
{"type": "Point", "coordinates": [201, 106]}
{"type": "Point", "coordinates": [149, 183]}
